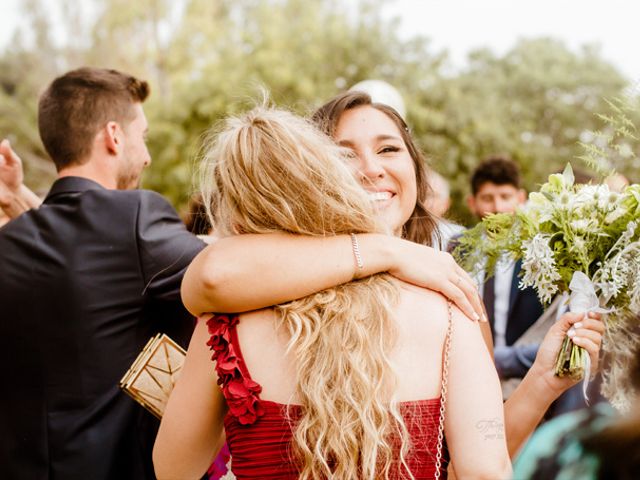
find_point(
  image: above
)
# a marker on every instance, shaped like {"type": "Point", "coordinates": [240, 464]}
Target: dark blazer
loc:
{"type": "Point", "coordinates": [524, 308]}
{"type": "Point", "coordinates": [85, 281]}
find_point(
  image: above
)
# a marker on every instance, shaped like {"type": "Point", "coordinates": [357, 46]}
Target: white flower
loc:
{"type": "Point", "coordinates": [559, 182]}
{"type": "Point", "coordinates": [579, 245]}
{"type": "Point", "coordinates": [620, 272]}
{"type": "Point", "coordinates": [631, 229]}
{"type": "Point", "coordinates": [627, 235]}
{"type": "Point", "coordinates": [615, 214]}
{"type": "Point", "coordinates": [566, 201]}
{"type": "Point", "coordinates": [539, 267]}
{"type": "Point", "coordinates": [593, 196]}
{"type": "Point", "coordinates": [539, 208]}
{"type": "Point", "coordinates": [583, 225]}
{"type": "Point", "coordinates": [608, 201]}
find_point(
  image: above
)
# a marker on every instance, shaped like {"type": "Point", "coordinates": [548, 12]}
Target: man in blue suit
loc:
{"type": "Point", "coordinates": [496, 188]}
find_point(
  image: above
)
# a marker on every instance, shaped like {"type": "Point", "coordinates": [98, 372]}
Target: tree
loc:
{"type": "Point", "coordinates": [207, 59]}
{"type": "Point", "coordinates": [534, 103]}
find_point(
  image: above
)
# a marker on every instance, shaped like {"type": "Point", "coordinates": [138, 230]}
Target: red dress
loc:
{"type": "Point", "coordinates": [259, 431]}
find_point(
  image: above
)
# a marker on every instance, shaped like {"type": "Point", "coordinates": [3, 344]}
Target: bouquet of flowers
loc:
{"type": "Point", "coordinates": [581, 239]}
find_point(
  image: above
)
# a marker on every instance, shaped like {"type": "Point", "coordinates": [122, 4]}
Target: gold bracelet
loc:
{"type": "Point", "coordinates": [356, 251]}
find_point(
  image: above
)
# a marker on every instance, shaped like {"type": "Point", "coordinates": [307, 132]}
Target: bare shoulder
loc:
{"type": "Point", "coordinates": [423, 312]}
{"type": "Point", "coordinates": [423, 308]}
{"type": "Point", "coordinates": [259, 335]}
{"type": "Point", "coordinates": [264, 349]}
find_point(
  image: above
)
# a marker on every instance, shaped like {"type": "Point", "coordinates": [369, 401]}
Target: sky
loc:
{"type": "Point", "coordinates": [460, 26]}
{"type": "Point", "coordinates": [463, 25]}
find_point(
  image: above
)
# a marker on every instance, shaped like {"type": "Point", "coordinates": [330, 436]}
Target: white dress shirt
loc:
{"type": "Point", "coordinates": [503, 281]}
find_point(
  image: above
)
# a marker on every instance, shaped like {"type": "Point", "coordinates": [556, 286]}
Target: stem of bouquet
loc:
{"type": "Point", "coordinates": [571, 360]}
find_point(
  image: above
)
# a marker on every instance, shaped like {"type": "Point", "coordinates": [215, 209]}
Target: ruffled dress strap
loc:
{"type": "Point", "coordinates": [240, 391]}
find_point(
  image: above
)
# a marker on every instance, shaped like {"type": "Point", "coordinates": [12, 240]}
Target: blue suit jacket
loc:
{"type": "Point", "coordinates": [524, 308]}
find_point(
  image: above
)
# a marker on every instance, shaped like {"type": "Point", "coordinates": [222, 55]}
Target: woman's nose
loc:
{"type": "Point", "coordinates": [370, 166]}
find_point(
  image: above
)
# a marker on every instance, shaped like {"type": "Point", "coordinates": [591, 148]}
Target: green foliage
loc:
{"type": "Point", "coordinates": [206, 59]}
{"type": "Point", "coordinates": [564, 228]}
{"type": "Point", "coordinates": [615, 144]}
{"type": "Point", "coordinates": [534, 104]}
{"type": "Point", "coordinates": [481, 247]}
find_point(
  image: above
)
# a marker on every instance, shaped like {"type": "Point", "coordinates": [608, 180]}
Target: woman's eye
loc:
{"type": "Point", "coordinates": [350, 154]}
{"type": "Point", "coordinates": [389, 149]}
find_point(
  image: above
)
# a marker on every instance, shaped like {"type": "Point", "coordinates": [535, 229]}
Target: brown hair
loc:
{"type": "Point", "coordinates": [497, 169]}
{"type": "Point", "coordinates": [78, 104]}
{"type": "Point", "coordinates": [195, 218]}
{"type": "Point", "coordinates": [421, 225]}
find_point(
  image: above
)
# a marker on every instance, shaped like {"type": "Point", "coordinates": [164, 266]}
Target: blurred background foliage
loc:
{"type": "Point", "coordinates": [206, 59]}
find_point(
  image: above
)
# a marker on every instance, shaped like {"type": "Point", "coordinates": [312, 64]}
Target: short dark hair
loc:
{"type": "Point", "coordinates": [76, 105]}
{"type": "Point", "coordinates": [500, 170]}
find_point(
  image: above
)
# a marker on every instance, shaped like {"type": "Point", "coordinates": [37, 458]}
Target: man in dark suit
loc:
{"type": "Point", "coordinates": [496, 188]}
{"type": "Point", "coordinates": [87, 279]}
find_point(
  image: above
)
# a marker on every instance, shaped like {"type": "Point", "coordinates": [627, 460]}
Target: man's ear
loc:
{"type": "Point", "coordinates": [522, 195]}
{"type": "Point", "coordinates": [112, 140]}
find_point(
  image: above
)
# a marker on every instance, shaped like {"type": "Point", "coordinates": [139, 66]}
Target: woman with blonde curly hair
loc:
{"type": "Point", "coordinates": [345, 383]}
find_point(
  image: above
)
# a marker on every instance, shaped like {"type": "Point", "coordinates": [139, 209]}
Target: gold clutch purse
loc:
{"type": "Point", "coordinates": [151, 378]}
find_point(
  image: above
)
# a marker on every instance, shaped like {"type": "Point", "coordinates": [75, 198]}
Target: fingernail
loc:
{"type": "Point", "coordinates": [571, 333]}
{"type": "Point", "coordinates": [574, 339]}
{"type": "Point", "coordinates": [577, 325]}
{"type": "Point", "coordinates": [476, 316]}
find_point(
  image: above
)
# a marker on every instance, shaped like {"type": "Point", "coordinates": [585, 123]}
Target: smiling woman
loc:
{"type": "Point", "coordinates": [385, 159]}
{"type": "Point", "coordinates": [381, 162]}
{"type": "Point", "coordinates": [527, 405]}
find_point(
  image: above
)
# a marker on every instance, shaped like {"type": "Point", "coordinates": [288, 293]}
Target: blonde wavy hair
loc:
{"type": "Point", "coordinates": [271, 171]}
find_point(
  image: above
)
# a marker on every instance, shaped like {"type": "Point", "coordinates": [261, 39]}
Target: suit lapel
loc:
{"type": "Point", "coordinates": [489, 297]}
{"type": "Point", "coordinates": [513, 320]}
{"type": "Point", "coordinates": [515, 290]}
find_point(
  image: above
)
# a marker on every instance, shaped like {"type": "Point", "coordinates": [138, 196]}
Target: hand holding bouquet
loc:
{"type": "Point", "coordinates": [581, 239]}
